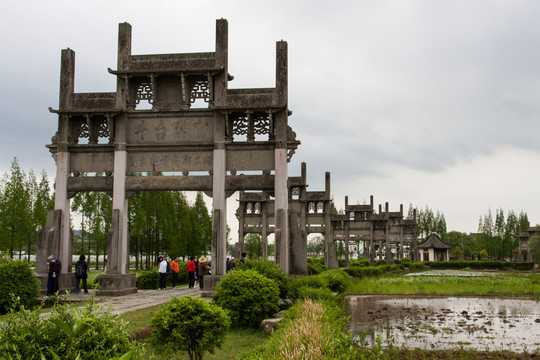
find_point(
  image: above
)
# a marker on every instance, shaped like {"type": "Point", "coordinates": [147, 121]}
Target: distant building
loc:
{"type": "Point", "coordinates": [524, 246]}
{"type": "Point", "coordinates": [434, 249]}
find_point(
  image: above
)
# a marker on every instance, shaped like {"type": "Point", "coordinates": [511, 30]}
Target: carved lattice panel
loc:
{"type": "Point", "coordinates": [261, 124]}
{"type": "Point", "coordinates": [200, 90]}
{"type": "Point", "coordinates": [240, 125]}
{"type": "Point", "coordinates": [103, 129]}
{"type": "Point", "coordinates": [84, 131]}
{"type": "Point", "coordinates": [144, 93]}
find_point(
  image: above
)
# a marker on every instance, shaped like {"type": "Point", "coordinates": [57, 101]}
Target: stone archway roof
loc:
{"type": "Point", "coordinates": [434, 241]}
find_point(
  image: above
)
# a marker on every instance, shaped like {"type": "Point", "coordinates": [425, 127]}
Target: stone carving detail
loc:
{"type": "Point", "coordinates": [316, 207]}
{"type": "Point", "coordinates": [290, 154]}
{"type": "Point", "coordinates": [84, 131]}
{"type": "Point", "coordinates": [295, 191]}
{"type": "Point", "coordinates": [257, 208]}
{"type": "Point", "coordinates": [240, 125]}
{"type": "Point", "coordinates": [261, 124]}
{"type": "Point", "coordinates": [249, 208]}
{"type": "Point", "coordinates": [144, 92]}
{"type": "Point", "coordinates": [201, 90]}
{"type": "Point", "coordinates": [103, 129]}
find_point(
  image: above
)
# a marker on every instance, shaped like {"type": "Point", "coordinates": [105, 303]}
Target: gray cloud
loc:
{"type": "Point", "coordinates": [418, 86]}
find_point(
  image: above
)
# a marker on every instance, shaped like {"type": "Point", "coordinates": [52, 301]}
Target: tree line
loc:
{"type": "Point", "coordinates": [496, 238]}
{"type": "Point", "coordinates": [160, 222]}
{"type": "Point", "coordinates": [24, 202]}
{"type": "Point", "coordinates": [165, 222]}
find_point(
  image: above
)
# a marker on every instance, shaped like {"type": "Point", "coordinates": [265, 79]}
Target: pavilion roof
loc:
{"type": "Point", "coordinates": [434, 241]}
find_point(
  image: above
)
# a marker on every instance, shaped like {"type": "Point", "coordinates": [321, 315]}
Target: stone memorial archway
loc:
{"type": "Point", "coordinates": [239, 139]}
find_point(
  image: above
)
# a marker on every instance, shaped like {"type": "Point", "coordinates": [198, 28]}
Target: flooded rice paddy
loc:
{"type": "Point", "coordinates": [446, 322]}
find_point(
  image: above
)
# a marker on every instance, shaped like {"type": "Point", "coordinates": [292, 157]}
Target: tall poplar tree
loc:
{"type": "Point", "coordinates": [16, 221]}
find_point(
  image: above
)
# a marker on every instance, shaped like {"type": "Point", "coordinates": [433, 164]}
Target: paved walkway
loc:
{"type": "Point", "coordinates": [139, 300]}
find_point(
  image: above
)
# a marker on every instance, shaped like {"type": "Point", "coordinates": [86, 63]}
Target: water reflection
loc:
{"type": "Point", "coordinates": [446, 322]}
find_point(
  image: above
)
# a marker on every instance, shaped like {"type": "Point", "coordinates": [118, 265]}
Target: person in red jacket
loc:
{"type": "Point", "coordinates": [191, 272]}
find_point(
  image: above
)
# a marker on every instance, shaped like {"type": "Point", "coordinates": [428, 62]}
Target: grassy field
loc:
{"type": "Point", "coordinates": [500, 284]}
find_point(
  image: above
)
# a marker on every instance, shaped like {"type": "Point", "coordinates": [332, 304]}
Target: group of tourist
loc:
{"type": "Point", "coordinates": [196, 268]}
{"type": "Point", "coordinates": [55, 266]}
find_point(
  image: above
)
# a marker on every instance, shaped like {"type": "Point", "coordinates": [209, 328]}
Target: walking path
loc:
{"type": "Point", "coordinates": [139, 300]}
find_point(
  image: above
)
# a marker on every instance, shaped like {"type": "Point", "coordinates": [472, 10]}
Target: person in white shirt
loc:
{"type": "Point", "coordinates": [163, 269]}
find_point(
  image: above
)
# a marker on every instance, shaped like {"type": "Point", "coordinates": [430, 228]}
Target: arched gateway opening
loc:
{"type": "Point", "coordinates": [154, 122]}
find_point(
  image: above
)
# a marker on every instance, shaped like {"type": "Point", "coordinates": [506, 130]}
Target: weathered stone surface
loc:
{"type": "Point", "coordinates": [269, 325]}
{"type": "Point", "coordinates": [117, 284]}
{"type": "Point", "coordinates": [297, 246]}
{"type": "Point", "coordinates": [210, 285]}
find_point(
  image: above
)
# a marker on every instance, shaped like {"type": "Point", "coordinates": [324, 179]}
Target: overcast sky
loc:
{"type": "Point", "coordinates": [425, 102]}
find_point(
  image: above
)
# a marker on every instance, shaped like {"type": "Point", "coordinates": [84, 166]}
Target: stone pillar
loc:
{"type": "Point", "coordinates": [330, 255]}
{"type": "Point", "coordinates": [372, 244]}
{"type": "Point", "coordinates": [282, 208]}
{"type": "Point", "coordinates": [298, 246]}
{"type": "Point", "coordinates": [120, 264]}
{"type": "Point", "coordinates": [62, 203]}
{"type": "Point", "coordinates": [241, 214]}
{"type": "Point", "coordinates": [264, 230]}
{"type": "Point", "coordinates": [219, 205]}
{"type": "Point", "coordinates": [347, 241]}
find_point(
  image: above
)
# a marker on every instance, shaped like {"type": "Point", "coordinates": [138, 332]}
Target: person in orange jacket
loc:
{"type": "Point", "coordinates": [175, 269]}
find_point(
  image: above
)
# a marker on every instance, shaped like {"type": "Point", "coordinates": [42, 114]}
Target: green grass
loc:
{"type": "Point", "coordinates": [138, 318]}
{"type": "Point", "coordinates": [236, 342]}
{"type": "Point", "coordinates": [504, 284]}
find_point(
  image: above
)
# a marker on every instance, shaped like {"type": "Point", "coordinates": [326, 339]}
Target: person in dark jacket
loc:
{"type": "Point", "coordinates": [81, 273]}
{"type": "Point", "coordinates": [51, 279]}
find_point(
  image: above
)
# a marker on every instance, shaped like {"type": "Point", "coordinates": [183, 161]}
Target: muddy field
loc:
{"type": "Point", "coordinates": [446, 322]}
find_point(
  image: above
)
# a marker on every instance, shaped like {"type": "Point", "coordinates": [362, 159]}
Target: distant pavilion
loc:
{"type": "Point", "coordinates": [434, 249]}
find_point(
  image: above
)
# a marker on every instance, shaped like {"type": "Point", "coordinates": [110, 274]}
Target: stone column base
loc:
{"type": "Point", "coordinates": [66, 282]}
{"type": "Point", "coordinates": [116, 285]}
{"type": "Point", "coordinates": [210, 285]}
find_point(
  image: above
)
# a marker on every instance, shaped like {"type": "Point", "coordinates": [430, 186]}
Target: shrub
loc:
{"type": "Point", "coordinates": [362, 272]}
{"type": "Point", "coordinates": [248, 296]}
{"type": "Point", "coordinates": [68, 332]}
{"type": "Point", "coordinates": [362, 262]}
{"type": "Point", "coordinates": [189, 324]}
{"type": "Point", "coordinates": [337, 280]}
{"type": "Point", "coordinates": [315, 266]}
{"type": "Point", "coordinates": [381, 262]}
{"type": "Point", "coordinates": [417, 265]}
{"type": "Point", "coordinates": [17, 280]}
{"type": "Point", "coordinates": [269, 270]}
{"type": "Point", "coordinates": [406, 261]}
{"type": "Point", "coordinates": [310, 330]}
{"type": "Point", "coordinates": [295, 284]}
{"type": "Point", "coordinates": [147, 280]}
{"type": "Point", "coordinates": [479, 264]}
